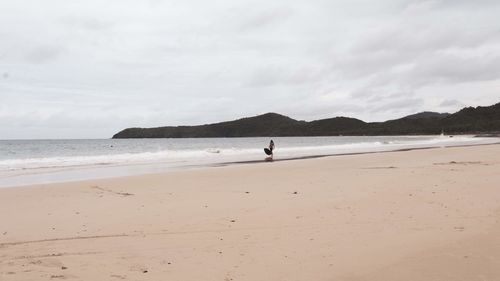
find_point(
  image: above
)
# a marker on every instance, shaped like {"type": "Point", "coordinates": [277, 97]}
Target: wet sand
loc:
{"type": "Point", "coordinates": [410, 215]}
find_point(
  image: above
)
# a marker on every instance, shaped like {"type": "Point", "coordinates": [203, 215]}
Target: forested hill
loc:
{"type": "Point", "coordinates": [470, 120]}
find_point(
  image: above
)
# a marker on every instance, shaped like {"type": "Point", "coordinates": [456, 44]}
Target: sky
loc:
{"type": "Point", "coordinates": [88, 69]}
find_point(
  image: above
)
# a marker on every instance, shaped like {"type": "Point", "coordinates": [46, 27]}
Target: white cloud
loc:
{"type": "Point", "coordinates": [89, 69]}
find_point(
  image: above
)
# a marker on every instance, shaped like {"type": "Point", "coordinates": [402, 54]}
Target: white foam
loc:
{"type": "Point", "coordinates": [217, 155]}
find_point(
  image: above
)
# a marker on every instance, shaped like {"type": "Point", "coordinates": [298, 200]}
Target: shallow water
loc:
{"type": "Point", "coordinates": [40, 161]}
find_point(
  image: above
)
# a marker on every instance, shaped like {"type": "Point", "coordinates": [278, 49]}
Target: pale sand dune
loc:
{"type": "Point", "coordinates": [416, 215]}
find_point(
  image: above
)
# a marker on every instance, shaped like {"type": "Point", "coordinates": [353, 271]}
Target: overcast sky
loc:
{"type": "Point", "coordinates": [87, 69]}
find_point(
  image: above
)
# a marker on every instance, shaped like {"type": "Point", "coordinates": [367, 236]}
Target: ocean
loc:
{"type": "Point", "coordinates": [25, 162]}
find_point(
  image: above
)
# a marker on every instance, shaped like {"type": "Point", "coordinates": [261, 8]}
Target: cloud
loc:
{"type": "Point", "coordinates": [451, 103]}
{"type": "Point", "coordinates": [261, 17]}
{"type": "Point", "coordinates": [152, 63]}
{"type": "Point", "coordinates": [400, 105]}
{"type": "Point", "coordinates": [44, 54]}
{"type": "Point", "coordinates": [286, 75]}
{"type": "Point", "coordinates": [89, 23]}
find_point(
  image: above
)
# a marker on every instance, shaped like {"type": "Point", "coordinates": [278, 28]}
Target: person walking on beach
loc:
{"type": "Point", "coordinates": [269, 151]}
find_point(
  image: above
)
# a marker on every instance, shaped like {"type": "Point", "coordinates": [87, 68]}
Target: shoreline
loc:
{"type": "Point", "coordinates": [92, 172]}
{"type": "Point", "coordinates": [427, 214]}
{"type": "Point", "coordinates": [346, 154]}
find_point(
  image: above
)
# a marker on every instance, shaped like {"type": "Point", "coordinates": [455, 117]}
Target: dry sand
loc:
{"type": "Point", "coordinates": [416, 215]}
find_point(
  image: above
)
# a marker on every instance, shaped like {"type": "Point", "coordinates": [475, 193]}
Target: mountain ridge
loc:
{"type": "Point", "coordinates": [469, 120]}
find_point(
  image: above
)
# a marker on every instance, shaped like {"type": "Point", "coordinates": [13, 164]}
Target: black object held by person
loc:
{"type": "Point", "coordinates": [269, 150]}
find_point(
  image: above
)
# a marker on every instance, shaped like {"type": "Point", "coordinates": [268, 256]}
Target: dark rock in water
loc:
{"type": "Point", "coordinates": [470, 120]}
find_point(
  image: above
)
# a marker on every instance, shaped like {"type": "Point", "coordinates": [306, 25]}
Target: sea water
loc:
{"type": "Point", "coordinates": [24, 162]}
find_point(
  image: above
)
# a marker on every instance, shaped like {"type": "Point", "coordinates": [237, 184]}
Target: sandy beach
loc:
{"type": "Point", "coordinates": [429, 214]}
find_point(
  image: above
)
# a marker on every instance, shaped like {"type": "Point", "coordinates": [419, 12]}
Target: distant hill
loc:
{"type": "Point", "coordinates": [427, 114]}
{"type": "Point", "coordinates": [470, 120]}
